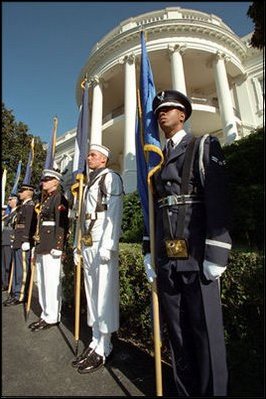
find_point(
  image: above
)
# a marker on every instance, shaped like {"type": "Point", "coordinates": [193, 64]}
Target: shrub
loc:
{"type": "Point", "coordinates": [132, 222]}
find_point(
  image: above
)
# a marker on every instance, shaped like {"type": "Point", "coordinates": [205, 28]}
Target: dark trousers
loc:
{"type": "Point", "coordinates": [21, 274]}
{"type": "Point", "coordinates": [185, 311]}
{"type": "Point", "coordinates": [6, 264]}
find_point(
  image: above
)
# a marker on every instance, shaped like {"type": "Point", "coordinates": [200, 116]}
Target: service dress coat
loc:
{"type": "Point", "coordinates": [8, 229]}
{"type": "Point", "coordinates": [24, 229]}
{"type": "Point", "coordinates": [53, 223]}
{"type": "Point", "coordinates": [101, 278]}
{"type": "Point", "coordinates": [191, 304]}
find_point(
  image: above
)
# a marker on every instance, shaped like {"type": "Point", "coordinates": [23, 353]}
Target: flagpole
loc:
{"type": "Point", "coordinates": [78, 266]}
{"type": "Point", "coordinates": [4, 186]}
{"type": "Point", "coordinates": [155, 301]}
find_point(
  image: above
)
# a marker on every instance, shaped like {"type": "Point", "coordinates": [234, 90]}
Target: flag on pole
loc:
{"type": "Point", "coordinates": [4, 187]}
{"type": "Point", "coordinates": [16, 181]}
{"type": "Point", "coordinates": [81, 141]}
{"type": "Point", "coordinates": [49, 162]}
{"type": "Point", "coordinates": [28, 173]}
{"type": "Point", "coordinates": [149, 156]}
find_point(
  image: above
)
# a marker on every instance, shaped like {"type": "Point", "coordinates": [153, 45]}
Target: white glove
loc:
{"type": "Point", "coordinates": [150, 273]}
{"type": "Point", "coordinates": [76, 256]}
{"type": "Point", "coordinates": [25, 246]}
{"type": "Point", "coordinates": [56, 253]}
{"type": "Point", "coordinates": [105, 254]}
{"type": "Point", "coordinates": [212, 271]}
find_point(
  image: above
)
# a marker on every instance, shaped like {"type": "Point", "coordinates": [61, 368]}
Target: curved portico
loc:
{"type": "Point", "coordinates": [190, 51]}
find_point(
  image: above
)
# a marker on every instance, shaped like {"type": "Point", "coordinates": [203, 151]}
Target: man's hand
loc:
{"type": "Point", "coordinates": [56, 253]}
{"type": "Point", "coordinates": [212, 271]}
{"type": "Point", "coordinates": [105, 254]}
{"type": "Point", "coordinates": [150, 273]}
{"type": "Point", "coordinates": [76, 256]}
{"type": "Point", "coordinates": [25, 246]}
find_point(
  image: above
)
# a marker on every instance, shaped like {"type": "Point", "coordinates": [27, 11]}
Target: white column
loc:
{"type": "Point", "coordinates": [97, 111]}
{"type": "Point", "coordinates": [177, 68]}
{"type": "Point", "coordinates": [178, 74]}
{"type": "Point", "coordinates": [224, 98]}
{"type": "Point", "coordinates": [129, 161]}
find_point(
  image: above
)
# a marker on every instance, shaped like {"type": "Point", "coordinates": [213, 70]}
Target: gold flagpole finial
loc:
{"type": "Point", "coordinates": [83, 82]}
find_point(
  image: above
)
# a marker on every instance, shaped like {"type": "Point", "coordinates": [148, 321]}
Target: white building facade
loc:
{"type": "Point", "coordinates": [189, 51]}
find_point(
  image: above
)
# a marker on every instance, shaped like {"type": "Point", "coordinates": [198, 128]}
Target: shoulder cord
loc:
{"type": "Point", "coordinates": [201, 154]}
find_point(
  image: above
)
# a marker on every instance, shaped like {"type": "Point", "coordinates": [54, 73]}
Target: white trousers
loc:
{"type": "Point", "coordinates": [101, 342]}
{"type": "Point", "coordinates": [101, 281]}
{"type": "Point", "coordinates": [49, 287]}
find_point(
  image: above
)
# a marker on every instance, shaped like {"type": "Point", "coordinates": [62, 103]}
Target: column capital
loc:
{"type": "Point", "coordinates": [179, 48]}
{"type": "Point", "coordinates": [129, 58]}
{"type": "Point", "coordinates": [95, 80]}
{"type": "Point", "coordinates": [220, 55]}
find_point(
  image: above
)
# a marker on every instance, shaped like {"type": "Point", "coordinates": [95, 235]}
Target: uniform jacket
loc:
{"type": "Point", "coordinates": [103, 301]}
{"type": "Point", "coordinates": [206, 223]}
{"type": "Point", "coordinates": [8, 227]}
{"type": "Point", "coordinates": [107, 224]}
{"type": "Point", "coordinates": [53, 223]}
{"type": "Point", "coordinates": [25, 224]}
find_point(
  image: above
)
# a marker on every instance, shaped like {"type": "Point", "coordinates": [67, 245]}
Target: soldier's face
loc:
{"type": "Point", "coordinates": [12, 202]}
{"type": "Point", "coordinates": [25, 194]}
{"type": "Point", "coordinates": [170, 120]}
{"type": "Point", "coordinates": [96, 160]}
{"type": "Point", "coordinates": [50, 184]}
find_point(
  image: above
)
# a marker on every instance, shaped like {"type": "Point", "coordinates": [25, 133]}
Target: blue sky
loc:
{"type": "Point", "coordinates": [46, 44]}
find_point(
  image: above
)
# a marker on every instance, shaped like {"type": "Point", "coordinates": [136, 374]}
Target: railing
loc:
{"type": "Point", "coordinates": [170, 13]}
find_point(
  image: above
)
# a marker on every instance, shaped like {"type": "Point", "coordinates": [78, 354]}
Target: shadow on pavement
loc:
{"type": "Point", "coordinates": [130, 371]}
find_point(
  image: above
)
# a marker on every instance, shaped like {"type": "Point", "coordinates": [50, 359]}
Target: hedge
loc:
{"type": "Point", "coordinates": [243, 309]}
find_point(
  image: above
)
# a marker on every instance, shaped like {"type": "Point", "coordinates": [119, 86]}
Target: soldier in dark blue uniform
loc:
{"type": "Point", "coordinates": [22, 243]}
{"type": "Point", "coordinates": [192, 247]}
{"type": "Point", "coordinates": [7, 229]}
{"type": "Point", "coordinates": [50, 238]}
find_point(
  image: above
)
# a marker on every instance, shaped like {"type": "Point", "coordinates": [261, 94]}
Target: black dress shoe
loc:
{"type": "Point", "coordinates": [93, 363]}
{"type": "Point", "coordinates": [34, 324]}
{"type": "Point", "coordinates": [81, 358]}
{"type": "Point", "coordinates": [13, 301]}
{"type": "Point", "coordinates": [42, 325]}
{"type": "Point", "coordinates": [8, 300]}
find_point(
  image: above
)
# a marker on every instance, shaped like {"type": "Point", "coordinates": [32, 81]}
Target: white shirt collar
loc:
{"type": "Point", "coordinates": [177, 137]}
{"type": "Point", "coordinates": [26, 200]}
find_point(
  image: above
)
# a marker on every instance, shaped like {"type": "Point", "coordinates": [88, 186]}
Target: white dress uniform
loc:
{"type": "Point", "coordinates": [100, 260]}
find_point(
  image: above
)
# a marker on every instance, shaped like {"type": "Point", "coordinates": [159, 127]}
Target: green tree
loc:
{"type": "Point", "coordinates": [245, 163]}
{"type": "Point", "coordinates": [256, 12]}
{"type": "Point", "coordinates": [16, 146]}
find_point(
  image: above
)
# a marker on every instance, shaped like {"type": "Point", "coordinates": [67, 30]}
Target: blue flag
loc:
{"type": "Point", "coordinates": [81, 141]}
{"type": "Point", "coordinates": [49, 161]}
{"type": "Point", "coordinates": [16, 181]}
{"type": "Point", "coordinates": [28, 173]}
{"type": "Point", "coordinates": [149, 156]}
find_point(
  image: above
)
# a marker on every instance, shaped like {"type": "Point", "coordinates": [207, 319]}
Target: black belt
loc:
{"type": "Point", "coordinates": [182, 199]}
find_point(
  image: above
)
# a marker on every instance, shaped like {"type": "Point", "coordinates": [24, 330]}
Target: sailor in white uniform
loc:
{"type": "Point", "coordinates": [101, 219]}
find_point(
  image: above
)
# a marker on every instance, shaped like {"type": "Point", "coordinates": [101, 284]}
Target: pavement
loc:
{"type": "Point", "coordinates": [39, 364]}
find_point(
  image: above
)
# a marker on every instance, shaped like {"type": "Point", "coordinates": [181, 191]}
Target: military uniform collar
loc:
{"type": "Point", "coordinates": [26, 200]}
{"type": "Point", "coordinates": [177, 137]}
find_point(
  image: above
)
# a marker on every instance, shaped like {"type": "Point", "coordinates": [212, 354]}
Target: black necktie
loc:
{"type": "Point", "coordinates": [169, 148]}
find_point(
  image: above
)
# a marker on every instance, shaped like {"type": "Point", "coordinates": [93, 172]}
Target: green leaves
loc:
{"type": "Point", "coordinates": [15, 146]}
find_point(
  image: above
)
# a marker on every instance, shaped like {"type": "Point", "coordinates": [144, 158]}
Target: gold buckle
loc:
{"type": "Point", "coordinates": [87, 240]}
{"type": "Point", "coordinates": [177, 248]}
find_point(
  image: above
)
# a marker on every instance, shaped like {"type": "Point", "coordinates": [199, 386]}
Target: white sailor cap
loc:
{"type": "Point", "coordinates": [101, 148]}
{"type": "Point", "coordinates": [51, 173]}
